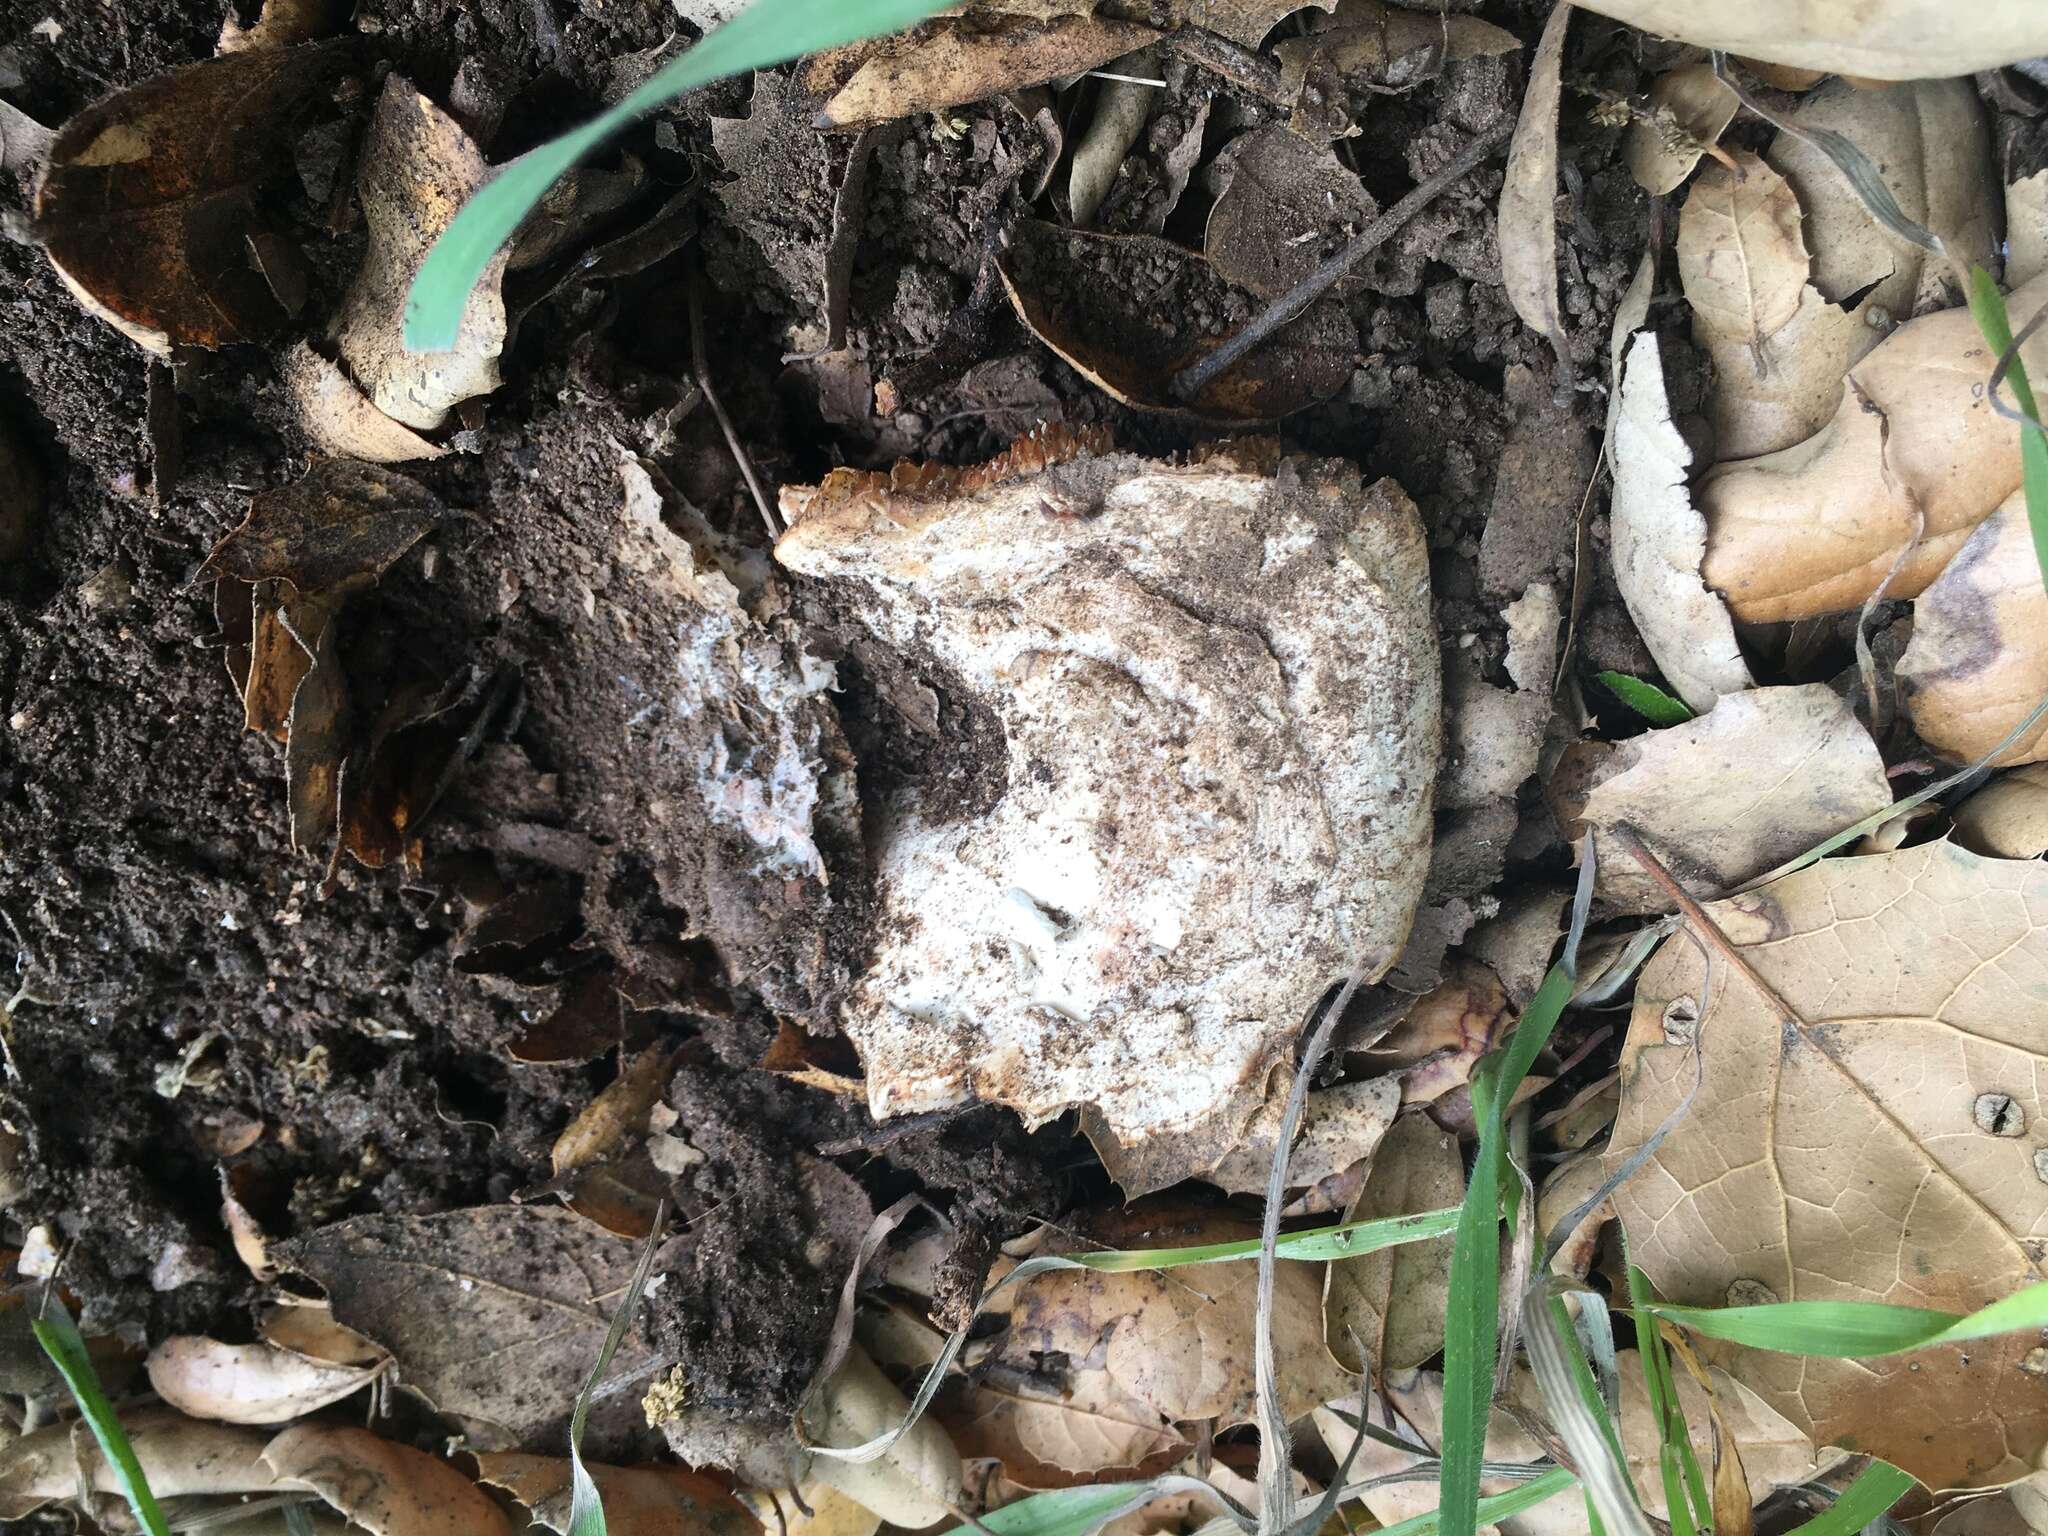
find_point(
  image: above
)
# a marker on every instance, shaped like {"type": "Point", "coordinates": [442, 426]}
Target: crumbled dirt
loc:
{"type": "Point", "coordinates": [146, 871]}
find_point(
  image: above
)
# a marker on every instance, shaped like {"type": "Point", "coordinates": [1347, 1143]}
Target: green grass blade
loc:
{"type": "Point", "coordinates": [1987, 307]}
{"type": "Point", "coordinates": [1058, 1512]}
{"type": "Point", "coordinates": [586, 1505]}
{"type": "Point", "coordinates": [1471, 1336]}
{"type": "Point", "coordinates": [767, 32]}
{"type": "Point", "coordinates": [65, 1346]}
{"type": "Point", "coordinates": [1876, 1489]}
{"type": "Point", "coordinates": [1492, 1510]}
{"type": "Point", "coordinates": [1319, 1245]}
{"type": "Point", "coordinates": [1646, 699]}
{"type": "Point", "coordinates": [1855, 1329]}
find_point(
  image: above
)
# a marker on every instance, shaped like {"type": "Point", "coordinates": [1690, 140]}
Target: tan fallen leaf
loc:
{"type": "Point", "coordinates": [341, 524]}
{"type": "Point", "coordinates": [620, 1110]}
{"type": "Point", "coordinates": [1872, 1139]}
{"type": "Point", "coordinates": [916, 1483]}
{"type": "Point", "coordinates": [2026, 229]}
{"type": "Point", "coordinates": [1385, 46]}
{"type": "Point", "coordinates": [1883, 39]}
{"type": "Point", "coordinates": [638, 1501]}
{"type": "Point", "coordinates": [1151, 575]}
{"type": "Point", "coordinates": [1340, 1126]}
{"type": "Point", "coordinates": [149, 200]}
{"type": "Point", "coordinates": [1814, 528]}
{"type": "Point", "coordinates": [1661, 538]}
{"type": "Point", "coordinates": [1086, 1431]}
{"type": "Point", "coordinates": [251, 1243]}
{"type": "Point", "coordinates": [1687, 110]}
{"type": "Point", "coordinates": [492, 1314]}
{"type": "Point", "coordinates": [1568, 1186]}
{"type": "Point", "coordinates": [830, 1512]}
{"type": "Point", "coordinates": [1978, 660]}
{"type": "Point", "coordinates": [1741, 256]}
{"type": "Point", "coordinates": [1528, 198]}
{"type": "Point", "coordinates": [247, 1383]}
{"type": "Point", "coordinates": [179, 1456]}
{"type": "Point", "coordinates": [2007, 818]}
{"type": "Point", "coordinates": [308, 1329]}
{"type": "Point", "coordinates": [1757, 780]}
{"type": "Point", "coordinates": [1184, 1353]}
{"type": "Point", "coordinates": [417, 168]}
{"type": "Point", "coordinates": [386, 1488]}
{"type": "Point", "coordinates": [1286, 204]}
{"type": "Point", "coordinates": [340, 420]}
{"type": "Point", "coordinates": [1122, 309]}
{"type": "Point", "coordinates": [1766, 398]}
{"type": "Point", "coordinates": [281, 24]}
{"type": "Point", "coordinates": [1385, 1311]}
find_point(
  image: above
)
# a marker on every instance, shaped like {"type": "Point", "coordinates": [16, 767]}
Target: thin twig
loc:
{"type": "Point", "coordinates": [740, 455]}
{"type": "Point", "coordinates": [1191, 380]}
{"type": "Point", "coordinates": [1236, 63]}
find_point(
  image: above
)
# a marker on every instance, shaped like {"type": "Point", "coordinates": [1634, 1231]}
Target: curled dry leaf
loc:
{"type": "Point", "coordinates": [1569, 1185]}
{"type": "Point", "coordinates": [2007, 818]}
{"type": "Point", "coordinates": [1660, 540]}
{"type": "Point", "coordinates": [1185, 1353]}
{"type": "Point", "coordinates": [386, 1488]}
{"type": "Point", "coordinates": [620, 1110]}
{"type": "Point", "coordinates": [281, 24]}
{"type": "Point", "coordinates": [1870, 1134]}
{"type": "Point", "coordinates": [1687, 110]}
{"type": "Point", "coordinates": [2026, 229]}
{"type": "Point", "coordinates": [1120, 113]}
{"type": "Point", "coordinates": [1131, 311]}
{"type": "Point", "coordinates": [341, 523]}
{"type": "Point", "coordinates": [1881, 39]}
{"type": "Point", "coordinates": [309, 1329]}
{"type": "Point", "coordinates": [1816, 527]}
{"type": "Point", "coordinates": [1977, 664]}
{"type": "Point", "coordinates": [1757, 780]}
{"type": "Point", "coordinates": [1087, 1430]}
{"type": "Point", "coordinates": [1528, 198]}
{"type": "Point", "coordinates": [1340, 1126]}
{"type": "Point", "coordinates": [149, 206]}
{"type": "Point", "coordinates": [914, 1484]}
{"type": "Point", "coordinates": [1741, 257]}
{"type": "Point", "coordinates": [418, 168]}
{"type": "Point", "coordinates": [1385, 1311]}
{"type": "Point", "coordinates": [179, 1457]}
{"type": "Point", "coordinates": [1201, 604]}
{"type": "Point", "coordinates": [493, 1314]}
{"type": "Point", "coordinates": [638, 1501]}
{"type": "Point", "coordinates": [1286, 204]}
{"type": "Point", "coordinates": [337, 417]}
{"type": "Point", "coordinates": [247, 1383]}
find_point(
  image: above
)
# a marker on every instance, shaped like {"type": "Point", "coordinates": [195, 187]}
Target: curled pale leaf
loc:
{"type": "Point", "coordinates": [386, 1488]}
{"type": "Point", "coordinates": [1687, 109]}
{"type": "Point", "coordinates": [1881, 39]}
{"type": "Point", "coordinates": [247, 1383]}
{"type": "Point", "coordinates": [1528, 199]}
{"type": "Point", "coordinates": [178, 1455]}
{"type": "Point", "coordinates": [917, 1481]}
{"type": "Point", "coordinates": [2007, 818]}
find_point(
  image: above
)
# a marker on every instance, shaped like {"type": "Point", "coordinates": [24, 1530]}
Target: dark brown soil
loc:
{"type": "Point", "coordinates": [146, 871]}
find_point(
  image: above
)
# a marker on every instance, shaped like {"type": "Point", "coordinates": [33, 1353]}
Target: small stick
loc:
{"type": "Point", "coordinates": [732, 437]}
{"type": "Point", "coordinates": [1191, 380]}
{"type": "Point", "coordinates": [1239, 65]}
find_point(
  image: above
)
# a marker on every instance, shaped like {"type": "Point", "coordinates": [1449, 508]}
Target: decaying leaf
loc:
{"type": "Point", "coordinates": [1741, 257]}
{"type": "Point", "coordinates": [2026, 229]}
{"type": "Point", "coordinates": [2007, 818]}
{"type": "Point", "coordinates": [1687, 110]}
{"type": "Point", "coordinates": [1120, 113]}
{"type": "Point", "coordinates": [281, 24]}
{"type": "Point", "coordinates": [1870, 1134]}
{"type": "Point", "coordinates": [1814, 528]}
{"type": "Point", "coordinates": [1977, 664]}
{"type": "Point", "coordinates": [1881, 39]}
{"type": "Point", "coordinates": [917, 1482]}
{"type": "Point", "coordinates": [1755, 781]}
{"type": "Point", "coordinates": [1660, 540]}
{"type": "Point", "coordinates": [638, 1501]}
{"type": "Point", "coordinates": [1528, 199]}
{"type": "Point", "coordinates": [1086, 1430]}
{"type": "Point", "coordinates": [1383, 46]}
{"type": "Point", "coordinates": [309, 1329]}
{"type": "Point", "coordinates": [418, 168]}
{"type": "Point", "coordinates": [24, 142]}
{"type": "Point", "coordinates": [1184, 1352]}
{"type": "Point", "coordinates": [338, 524]}
{"type": "Point", "coordinates": [150, 200]}
{"type": "Point", "coordinates": [339, 418]}
{"type": "Point", "coordinates": [1569, 1185]}
{"type": "Point", "coordinates": [1205, 605]}
{"type": "Point", "coordinates": [179, 1456]}
{"type": "Point", "coordinates": [247, 1383]}
{"type": "Point", "coordinates": [386, 1488]}
{"type": "Point", "coordinates": [1286, 204]}
{"type": "Point", "coordinates": [1340, 1126]}
{"type": "Point", "coordinates": [1131, 311]}
{"type": "Point", "coordinates": [1385, 1311]}
{"type": "Point", "coordinates": [492, 1314]}
{"type": "Point", "coordinates": [619, 1110]}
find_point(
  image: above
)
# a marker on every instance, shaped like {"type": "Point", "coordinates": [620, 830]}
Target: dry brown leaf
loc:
{"type": "Point", "coordinates": [1528, 198]}
{"type": "Point", "coordinates": [1286, 204]}
{"type": "Point", "coordinates": [1765, 398]}
{"type": "Point", "coordinates": [341, 523]}
{"type": "Point", "coordinates": [179, 1457]}
{"type": "Point", "coordinates": [1569, 1185]}
{"type": "Point", "coordinates": [1741, 258]}
{"type": "Point", "coordinates": [1339, 1127]}
{"type": "Point", "coordinates": [2026, 229]}
{"type": "Point", "coordinates": [340, 420]}
{"type": "Point", "coordinates": [1687, 110]}
{"type": "Point", "coordinates": [915, 1483]}
{"type": "Point", "coordinates": [1385, 1311]}
{"type": "Point", "coordinates": [1977, 664]}
{"type": "Point", "coordinates": [1243, 598]}
{"type": "Point", "coordinates": [247, 1383]}
{"type": "Point", "coordinates": [1120, 113]}
{"type": "Point", "coordinates": [1879, 1146]}
{"type": "Point", "coordinates": [308, 1329]}
{"type": "Point", "coordinates": [948, 63]}
{"type": "Point", "coordinates": [1814, 528]}
{"type": "Point", "coordinates": [281, 24]}
{"type": "Point", "coordinates": [1660, 539]}
{"type": "Point", "coordinates": [619, 1110]}
{"type": "Point", "coordinates": [1882, 39]}
{"type": "Point", "coordinates": [418, 168]}
{"type": "Point", "coordinates": [1388, 44]}
{"type": "Point", "coordinates": [386, 1488]}
{"type": "Point", "coordinates": [149, 201]}
{"type": "Point", "coordinates": [1131, 311]}
{"type": "Point", "coordinates": [493, 1314]}
{"type": "Point", "coordinates": [1186, 1353]}
{"type": "Point", "coordinates": [1755, 781]}
{"type": "Point", "coordinates": [830, 1512]}
{"type": "Point", "coordinates": [1046, 1437]}
{"type": "Point", "coordinates": [2007, 818]}
{"type": "Point", "coordinates": [638, 1501]}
